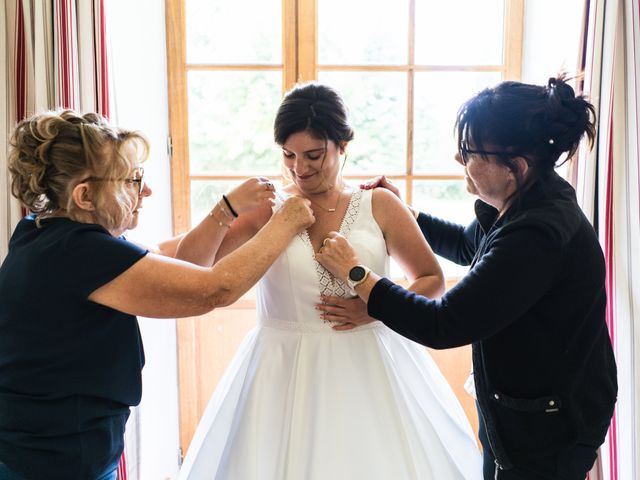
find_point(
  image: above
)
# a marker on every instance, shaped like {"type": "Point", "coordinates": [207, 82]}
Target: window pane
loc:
{"type": "Point", "coordinates": [217, 33]}
{"type": "Point", "coordinates": [378, 110]}
{"type": "Point", "coordinates": [231, 121]}
{"type": "Point", "coordinates": [448, 200]}
{"type": "Point", "coordinates": [205, 194]}
{"type": "Point", "coordinates": [438, 96]}
{"type": "Point", "coordinates": [459, 32]}
{"type": "Point", "coordinates": [362, 32]}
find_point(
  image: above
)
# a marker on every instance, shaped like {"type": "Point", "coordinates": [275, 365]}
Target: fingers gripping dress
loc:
{"type": "Point", "coordinates": [302, 401]}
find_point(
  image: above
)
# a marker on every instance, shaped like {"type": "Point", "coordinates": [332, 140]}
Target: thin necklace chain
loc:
{"type": "Point", "coordinates": [330, 210]}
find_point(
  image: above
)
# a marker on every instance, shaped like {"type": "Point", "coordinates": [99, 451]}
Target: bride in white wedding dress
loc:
{"type": "Point", "coordinates": [301, 400]}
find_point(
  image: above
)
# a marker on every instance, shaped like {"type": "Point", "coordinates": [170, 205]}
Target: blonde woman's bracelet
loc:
{"type": "Point", "coordinates": [224, 210]}
{"type": "Point", "coordinates": [215, 217]}
{"type": "Point", "coordinates": [226, 200]}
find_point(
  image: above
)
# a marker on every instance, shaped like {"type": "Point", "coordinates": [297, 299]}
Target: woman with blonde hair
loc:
{"type": "Point", "coordinates": [71, 287]}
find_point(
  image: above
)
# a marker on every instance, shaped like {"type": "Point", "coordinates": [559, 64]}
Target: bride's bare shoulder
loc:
{"type": "Point", "coordinates": [388, 210]}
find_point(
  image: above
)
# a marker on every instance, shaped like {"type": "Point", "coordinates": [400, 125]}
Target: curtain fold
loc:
{"type": "Point", "coordinates": [608, 186]}
{"type": "Point", "coordinates": [5, 197]}
{"type": "Point", "coordinates": [13, 93]}
{"type": "Point", "coordinates": [65, 51]}
{"type": "Point", "coordinates": [53, 55]}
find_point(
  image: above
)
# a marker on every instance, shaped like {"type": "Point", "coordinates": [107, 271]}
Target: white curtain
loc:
{"type": "Point", "coordinates": [608, 186]}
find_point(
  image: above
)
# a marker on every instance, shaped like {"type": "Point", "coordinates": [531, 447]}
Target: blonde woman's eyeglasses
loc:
{"type": "Point", "coordinates": [138, 178]}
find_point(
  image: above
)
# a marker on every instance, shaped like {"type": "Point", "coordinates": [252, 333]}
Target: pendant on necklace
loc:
{"type": "Point", "coordinates": [331, 210]}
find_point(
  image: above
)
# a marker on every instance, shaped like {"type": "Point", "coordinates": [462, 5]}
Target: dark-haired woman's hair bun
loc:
{"type": "Point", "coordinates": [539, 122]}
{"type": "Point", "coordinates": [568, 117]}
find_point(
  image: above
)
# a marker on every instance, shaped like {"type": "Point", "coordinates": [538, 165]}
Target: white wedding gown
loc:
{"type": "Point", "coordinates": [301, 401]}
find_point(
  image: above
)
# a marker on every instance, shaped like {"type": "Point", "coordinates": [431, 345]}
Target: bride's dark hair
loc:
{"type": "Point", "coordinates": [315, 108]}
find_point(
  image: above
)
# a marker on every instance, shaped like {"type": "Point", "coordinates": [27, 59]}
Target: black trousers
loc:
{"type": "Point", "coordinates": [572, 463]}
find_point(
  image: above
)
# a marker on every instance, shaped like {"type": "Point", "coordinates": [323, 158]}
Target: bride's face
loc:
{"type": "Point", "coordinates": [314, 164]}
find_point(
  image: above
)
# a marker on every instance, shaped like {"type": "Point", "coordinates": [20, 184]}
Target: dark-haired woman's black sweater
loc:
{"type": "Point", "coordinates": [533, 306]}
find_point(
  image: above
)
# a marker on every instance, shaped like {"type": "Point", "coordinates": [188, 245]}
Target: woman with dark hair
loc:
{"type": "Point", "coordinates": [71, 286]}
{"type": "Point", "coordinates": [533, 301]}
{"type": "Point", "coordinates": [302, 400]}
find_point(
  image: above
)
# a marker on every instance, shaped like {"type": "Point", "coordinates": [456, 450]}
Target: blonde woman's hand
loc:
{"type": "Point", "coordinates": [295, 213]}
{"type": "Point", "coordinates": [255, 192]}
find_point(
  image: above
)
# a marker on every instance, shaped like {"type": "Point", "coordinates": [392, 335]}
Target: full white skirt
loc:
{"type": "Point", "coordinates": [364, 404]}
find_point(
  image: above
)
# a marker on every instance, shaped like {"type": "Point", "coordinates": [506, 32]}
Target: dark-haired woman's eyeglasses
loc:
{"type": "Point", "coordinates": [138, 178]}
{"type": "Point", "coordinates": [465, 153]}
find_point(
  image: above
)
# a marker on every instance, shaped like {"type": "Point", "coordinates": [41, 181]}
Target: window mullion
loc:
{"type": "Point", "coordinates": [307, 40]}
{"type": "Point", "coordinates": [178, 115]}
{"type": "Point", "coordinates": [513, 28]}
{"type": "Point", "coordinates": [410, 98]}
{"type": "Point", "coordinates": [289, 44]}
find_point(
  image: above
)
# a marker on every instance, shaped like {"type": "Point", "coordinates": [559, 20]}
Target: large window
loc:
{"type": "Point", "coordinates": [403, 67]}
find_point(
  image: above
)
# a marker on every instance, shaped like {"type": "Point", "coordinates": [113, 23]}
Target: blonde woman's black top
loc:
{"type": "Point", "coordinates": [69, 368]}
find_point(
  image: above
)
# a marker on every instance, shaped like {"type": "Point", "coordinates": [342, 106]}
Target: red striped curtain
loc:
{"type": "Point", "coordinates": [57, 56]}
{"type": "Point", "coordinates": [11, 41]}
{"type": "Point", "coordinates": [53, 55]}
{"type": "Point", "coordinates": [607, 180]}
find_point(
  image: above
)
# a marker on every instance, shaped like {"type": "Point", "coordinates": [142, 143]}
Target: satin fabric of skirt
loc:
{"type": "Point", "coordinates": [302, 401]}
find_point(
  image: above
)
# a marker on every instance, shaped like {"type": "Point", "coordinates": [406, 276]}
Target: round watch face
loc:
{"type": "Point", "coordinates": [356, 274]}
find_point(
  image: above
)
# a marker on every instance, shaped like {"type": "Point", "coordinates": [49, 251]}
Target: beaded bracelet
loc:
{"type": "Point", "coordinates": [215, 217]}
{"type": "Point", "coordinates": [226, 200]}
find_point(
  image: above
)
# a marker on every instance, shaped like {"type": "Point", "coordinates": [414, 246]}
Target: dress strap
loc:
{"type": "Point", "coordinates": [281, 196]}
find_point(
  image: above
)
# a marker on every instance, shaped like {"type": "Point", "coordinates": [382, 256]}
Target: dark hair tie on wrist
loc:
{"type": "Point", "coordinates": [226, 200]}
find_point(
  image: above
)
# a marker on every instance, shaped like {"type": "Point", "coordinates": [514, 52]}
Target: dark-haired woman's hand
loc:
{"type": "Point", "coordinates": [253, 193]}
{"type": "Point", "coordinates": [381, 181]}
{"type": "Point", "coordinates": [344, 313]}
{"type": "Point", "coordinates": [337, 255]}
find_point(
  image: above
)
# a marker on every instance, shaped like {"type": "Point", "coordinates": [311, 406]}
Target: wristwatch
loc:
{"type": "Point", "coordinates": [357, 275]}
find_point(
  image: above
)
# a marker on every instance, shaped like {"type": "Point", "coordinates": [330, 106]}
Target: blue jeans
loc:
{"type": "Point", "coordinates": [109, 476]}
{"type": "Point", "coordinates": [6, 474]}
{"type": "Point", "coordinates": [111, 472]}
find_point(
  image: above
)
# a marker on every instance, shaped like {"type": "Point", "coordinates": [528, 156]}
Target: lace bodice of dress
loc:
{"type": "Point", "coordinates": [291, 288]}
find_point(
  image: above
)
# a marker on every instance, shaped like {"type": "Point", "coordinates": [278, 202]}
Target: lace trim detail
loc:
{"type": "Point", "coordinates": [330, 285]}
{"type": "Point", "coordinates": [353, 209]}
{"type": "Point", "coordinates": [312, 327]}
